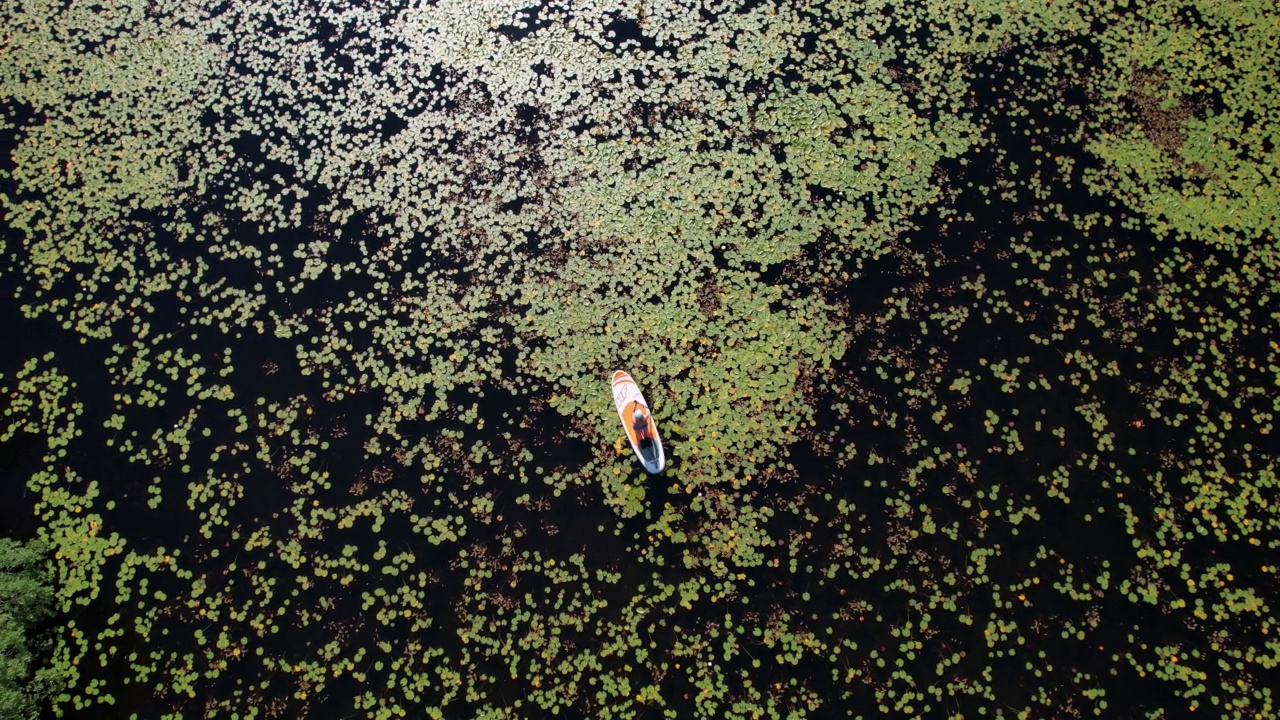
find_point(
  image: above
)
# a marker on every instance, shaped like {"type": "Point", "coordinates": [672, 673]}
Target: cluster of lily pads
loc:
{"type": "Point", "coordinates": [958, 322]}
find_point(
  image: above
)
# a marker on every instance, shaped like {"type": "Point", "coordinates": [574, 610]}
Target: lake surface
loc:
{"type": "Point", "coordinates": [958, 323]}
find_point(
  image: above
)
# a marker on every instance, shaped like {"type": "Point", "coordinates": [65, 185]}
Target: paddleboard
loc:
{"type": "Point", "coordinates": [638, 423]}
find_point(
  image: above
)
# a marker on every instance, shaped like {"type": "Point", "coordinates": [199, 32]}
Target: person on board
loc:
{"type": "Point", "coordinates": [640, 424]}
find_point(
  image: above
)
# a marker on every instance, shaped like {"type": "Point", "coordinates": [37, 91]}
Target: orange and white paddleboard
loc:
{"type": "Point", "coordinates": [636, 419]}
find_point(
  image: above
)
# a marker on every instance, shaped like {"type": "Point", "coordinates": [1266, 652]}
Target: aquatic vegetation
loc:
{"type": "Point", "coordinates": [1181, 143]}
{"type": "Point", "coordinates": [958, 321]}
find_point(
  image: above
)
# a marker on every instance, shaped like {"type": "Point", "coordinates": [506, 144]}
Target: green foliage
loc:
{"type": "Point", "coordinates": [26, 601]}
